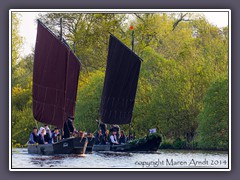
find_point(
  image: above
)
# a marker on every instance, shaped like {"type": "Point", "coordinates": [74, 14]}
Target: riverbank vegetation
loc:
{"type": "Point", "coordinates": [183, 85]}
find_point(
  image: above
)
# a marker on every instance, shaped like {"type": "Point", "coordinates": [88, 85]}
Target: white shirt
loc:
{"type": "Point", "coordinates": [114, 141]}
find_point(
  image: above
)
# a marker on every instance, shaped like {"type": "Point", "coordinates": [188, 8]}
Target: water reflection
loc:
{"type": "Point", "coordinates": [113, 154]}
{"type": "Point", "coordinates": [51, 161]}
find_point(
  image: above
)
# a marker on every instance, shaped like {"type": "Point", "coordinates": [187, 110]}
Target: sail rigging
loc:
{"type": "Point", "coordinates": [120, 83]}
{"type": "Point", "coordinates": [55, 78]}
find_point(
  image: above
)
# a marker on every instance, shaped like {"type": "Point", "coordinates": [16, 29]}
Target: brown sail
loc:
{"type": "Point", "coordinates": [55, 79]}
{"type": "Point", "coordinates": [120, 84]}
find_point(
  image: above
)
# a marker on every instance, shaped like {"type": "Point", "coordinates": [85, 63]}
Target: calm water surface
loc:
{"type": "Point", "coordinates": [160, 159]}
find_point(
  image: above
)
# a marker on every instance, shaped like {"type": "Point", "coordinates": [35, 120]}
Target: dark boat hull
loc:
{"type": "Point", "coordinates": [143, 145]}
{"type": "Point", "coordinates": [90, 144]}
{"type": "Point", "coordinates": [65, 146]}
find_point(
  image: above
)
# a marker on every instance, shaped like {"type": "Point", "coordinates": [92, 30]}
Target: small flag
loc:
{"type": "Point", "coordinates": [154, 130]}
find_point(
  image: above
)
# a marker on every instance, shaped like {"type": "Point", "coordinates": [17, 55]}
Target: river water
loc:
{"type": "Point", "coordinates": [160, 159]}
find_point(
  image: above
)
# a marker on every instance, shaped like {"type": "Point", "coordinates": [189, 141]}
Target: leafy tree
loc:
{"type": "Point", "coordinates": [23, 72]}
{"type": "Point", "coordinates": [213, 120]}
{"type": "Point", "coordinates": [21, 97]}
{"type": "Point", "coordinates": [88, 102]}
{"type": "Point", "coordinates": [22, 124]}
{"type": "Point", "coordinates": [17, 42]}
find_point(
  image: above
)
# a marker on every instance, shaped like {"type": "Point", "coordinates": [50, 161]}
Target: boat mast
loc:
{"type": "Point", "coordinates": [60, 37]}
{"type": "Point", "coordinates": [132, 39]}
{"type": "Point", "coordinates": [132, 29]}
{"type": "Point", "coordinates": [60, 34]}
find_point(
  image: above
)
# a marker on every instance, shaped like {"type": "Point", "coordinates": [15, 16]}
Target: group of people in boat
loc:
{"type": "Point", "coordinates": [113, 136]}
{"type": "Point", "coordinates": [47, 136]}
{"type": "Point", "coordinates": [44, 135]}
{"type": "Point", "coordinates": [103, 136]}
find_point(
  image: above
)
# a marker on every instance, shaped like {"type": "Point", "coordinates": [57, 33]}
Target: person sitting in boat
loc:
{"type": "Point", "coordinates": [116, 128]}
{"type": "Point", "coordinates": [33, 136]}
{"type": "Point", "coordinates": [48, 136]}
{"type": "Point", "coordinates": [107, 137]}
{"type": "Point", "coordinates": [41, 134]}
{"type": "Point", "coordinates": [55, 135]}
{"type": "Point", "coordinates": [99, 137]}
{"type": "Point", "coordinates": [103, 128]}
{"type": "Point", "coordinates": [68, 128]}
{"type": "Point", "coordinates": [113, 138]}
{"type": "Point", "coordinates": [123, 138]}
{"type": "Point", "coordinates": [131, 137]}
{"type": "Point", "coordinates": [46, 127]}
{"type": "Point", "coordinates": [89, 134]}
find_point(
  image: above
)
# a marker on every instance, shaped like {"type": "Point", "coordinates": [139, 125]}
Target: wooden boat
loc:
{"type": "Point", "coordinates": [65, 146]}
{"type": "Point", "coordinates": [90, 144]}
{"type": "Point", "coordinates": [118, 96]}
{"type": "Point", "coordinates": [55, 81]}
{"type": "Point", "coordinates": [149, 143]}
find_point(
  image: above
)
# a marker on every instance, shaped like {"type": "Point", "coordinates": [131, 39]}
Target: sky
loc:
{"type": "Point", "coordinates": [28, 27]}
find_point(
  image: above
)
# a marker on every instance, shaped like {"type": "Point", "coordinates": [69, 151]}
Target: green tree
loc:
{"type": "Point", "coordinates": [88, 101]}
{"type": "Point", "coordinates": [17, 42]}
{"type": "Point", "coordinates": [22, 124]}
{"type": "Point", "coordinates": [22, 118]}
{"type": "Point", "coordinates": [214, 119]}
{"type": "Point", "coordinates": [23, 72]}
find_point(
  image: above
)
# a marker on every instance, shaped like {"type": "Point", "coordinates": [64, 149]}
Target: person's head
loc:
{"type": "Point", "coordinates": [81, 134]}
{"type": "Point", "coordinates": [122, 132]}
{"type": "Point", "coordinates": [48, 131]}
{"type": "Point", "coordinates": [114, 132]}
{"type": "Point", "coordinates": [56, 130]}
{"type": "Point", "coordinates": [99, 131]}
{"type": "Point", "coordinates": [45, 126]}
{"type": "Point", "coordinates": [42, 131]}
{"type": "Point", "coordinates": [35, 130]}
{"type": "Point", "coordinates": [107, 132]}
{"type": "Point", "coordinates": [88, 132]}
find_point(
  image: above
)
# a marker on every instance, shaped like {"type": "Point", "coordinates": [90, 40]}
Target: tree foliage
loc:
{"type": "Point", "coordinates": [88, 101]}
{"type": "Point", "coordinates": [16, 43]}
{"type": "Point", "coordinates": [213, 129]}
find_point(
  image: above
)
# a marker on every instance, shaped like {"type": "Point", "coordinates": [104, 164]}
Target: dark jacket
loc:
{"type": "Point", "coordinates": [47, 138]}
{"type": "Point", "coordinates": [106, 139]}
{"type": "Point", "coordinates": [122, 139]}
{"type": "Point", "coordinates": [99, 139]}
{"type": "Point", "coordinates": [103, 128]}
{"type": "Point", "coordinates": [114, 138]}
{"type": "Point", "coordinates": [33, 138]}
{"type": "Point", "coordinates": [41, 139]}
{"type": "Point", "coordinates": [55, 137]}
{"type": "Point", "coordinates": [68, 128]}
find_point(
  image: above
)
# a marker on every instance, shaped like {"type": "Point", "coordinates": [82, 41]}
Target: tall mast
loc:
{"type": "Point", "coordinates": [60, 34]}
{"type": "Point", "coordinates": [132, 28]}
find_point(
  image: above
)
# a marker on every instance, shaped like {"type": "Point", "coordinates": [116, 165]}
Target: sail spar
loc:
{"type": "Point", "coordinates": [55, 78]}
{"type": "Point", "coordinates": [120, 83]}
